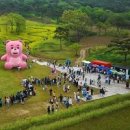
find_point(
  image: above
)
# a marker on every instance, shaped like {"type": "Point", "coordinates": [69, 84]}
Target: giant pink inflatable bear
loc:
{"type": "Point", "coordinates": [14, 56]}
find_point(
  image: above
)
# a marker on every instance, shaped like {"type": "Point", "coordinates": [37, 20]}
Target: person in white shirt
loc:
{"type": "Point", "coordinates": [8, 101]}
{"type": "Point", "coordinates": [70, 101]}
{"type": "Point", "coordinates": [75, 96]}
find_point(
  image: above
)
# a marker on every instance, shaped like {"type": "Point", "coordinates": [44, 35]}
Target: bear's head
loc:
{"type": "Point", "coordinates": [14, 48]}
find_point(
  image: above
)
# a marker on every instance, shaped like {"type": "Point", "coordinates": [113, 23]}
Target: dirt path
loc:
{"type": "Point", "coordinates": [91, 42]}
{"type": "Point", "coordinates": [83, 54]}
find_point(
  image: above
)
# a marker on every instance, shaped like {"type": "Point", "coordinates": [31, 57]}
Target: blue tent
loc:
{"type": "Point", "coordinates": [109, 72]}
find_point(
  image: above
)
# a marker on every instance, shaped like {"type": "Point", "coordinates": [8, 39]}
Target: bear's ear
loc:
{"type": "Point", "coordinates": [7, 42]}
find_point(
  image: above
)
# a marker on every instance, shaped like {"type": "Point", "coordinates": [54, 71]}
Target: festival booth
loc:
{"type": "Point", "coordinates": [101, 63]}
{"type": "Point", "coordinates": [121, 73]}
{"type": "Point", "coordinates": [121, 70]}
{"type": "Point", "coordinates": [85, 63]}
{"type": "Point", "coordinates": [102, 66]}
{"type": "Point", "coordinates": [113, 71]}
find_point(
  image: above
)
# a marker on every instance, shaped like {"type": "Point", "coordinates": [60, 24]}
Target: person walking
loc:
{"type": "Point", "coordinates": [99, 83]}
{"type": "Point", "coordinates": [48, 109]}
{"type": "Point", "coordinates": [61, 98]}
{"type": "Point", "coordinates": [8, 101]}
{"type": "Point", "coordinates": [102, 92]}
{"type": "Point", "coordinates": [0, 102]}
{"type": "Point", "coordinates": [70, 101]}
{"type": "Point", "coordinates": [109, 81]}
{"type": "Point", "coordinates": [52, 108]}
{"type": "Point", "coordinates": [51, 91]}
{"type": "Point", "coordinates": [91, 91]}
{"type": "Point", "coordinates": [127, 84]}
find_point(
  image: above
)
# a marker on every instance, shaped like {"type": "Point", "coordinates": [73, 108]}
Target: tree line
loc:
{"type": "Point", "coordinates": [55, 8]}
{"type": "Point", "coordinates": [84, 17]}
{"type": "Point", "coordinates": [77, 24]}
{"type": "Point", "coordinates": [13, 23]}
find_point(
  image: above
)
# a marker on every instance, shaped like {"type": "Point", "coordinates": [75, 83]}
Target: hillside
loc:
{"type": "Point", "coordinates": [54, 8]}
{"type": "Point", "coordinates": [114, 5]}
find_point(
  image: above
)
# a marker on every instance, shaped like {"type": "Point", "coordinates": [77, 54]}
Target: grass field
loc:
{"type": "Point", "coordinates": [118, 120]}
{"type": "Point", "coordinates": [10, 80]}
{"type": "Point", "coordinates": [51, 50]}
{"type": "Point", "coordinates": [34, 106]}
{"type": "Point", "coordinates": [75, 115]}
{"type": "Point", "coordinates": [10, 83]}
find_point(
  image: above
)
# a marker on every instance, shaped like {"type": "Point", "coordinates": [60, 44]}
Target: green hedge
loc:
{"type": "Point", "coordinates": [85, 108]}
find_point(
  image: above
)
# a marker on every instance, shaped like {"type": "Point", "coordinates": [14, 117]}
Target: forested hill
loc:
{"type": "Point", "coordinates": [54, 8]}
{"type": "Point", "coordinates": [114, 5]}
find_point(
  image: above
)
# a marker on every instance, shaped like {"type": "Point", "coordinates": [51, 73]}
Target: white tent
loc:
{"type": "Point", "coordinates": [85, 62]}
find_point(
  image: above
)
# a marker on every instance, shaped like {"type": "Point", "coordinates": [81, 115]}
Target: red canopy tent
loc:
{"type": "Point", "coordinates": [99, 62]}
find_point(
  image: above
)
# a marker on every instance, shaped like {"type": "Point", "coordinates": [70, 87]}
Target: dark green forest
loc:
{"type": "Point", "coordinates": [55, 8]}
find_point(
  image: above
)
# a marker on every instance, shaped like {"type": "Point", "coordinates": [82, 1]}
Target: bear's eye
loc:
{"type": "Point", "coordinates": [11, 47]}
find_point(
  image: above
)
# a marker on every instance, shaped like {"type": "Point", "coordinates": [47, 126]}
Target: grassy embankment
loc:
{"type": "Point", "coordinates": [117, 120]}
{"type": "Point", "coordinates": [74, 115]}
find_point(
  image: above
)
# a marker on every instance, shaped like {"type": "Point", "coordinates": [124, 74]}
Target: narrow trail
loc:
{"type": "Point", "coordinates": [83, 54]}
